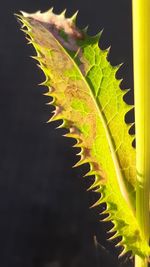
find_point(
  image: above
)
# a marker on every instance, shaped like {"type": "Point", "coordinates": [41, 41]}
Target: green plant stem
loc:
{"type": "Point", "coordinates": [141, 55]}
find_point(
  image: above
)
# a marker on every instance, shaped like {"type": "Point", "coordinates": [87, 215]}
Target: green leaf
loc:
{"type": "Point", "coordinates": [88, 99]}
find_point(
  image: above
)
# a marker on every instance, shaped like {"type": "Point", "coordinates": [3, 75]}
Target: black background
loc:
{"type": "Point", "coordinates": [45, 217]}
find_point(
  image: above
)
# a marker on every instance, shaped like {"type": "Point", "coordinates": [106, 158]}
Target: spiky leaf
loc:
{"type": "Point", "coordinates": [88, 99]}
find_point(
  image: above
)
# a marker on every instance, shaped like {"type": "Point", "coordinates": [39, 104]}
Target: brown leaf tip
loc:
{"type": "Point", "coordinates": [60, 22]}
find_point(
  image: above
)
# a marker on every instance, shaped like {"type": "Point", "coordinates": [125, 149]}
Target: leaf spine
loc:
{"type": "Point", "coordinates": [123, 252]}
{"type": "Point", "coordinates": [97, 203]}
{"type": "Point", "coordinates": [74, 17]}
{"type": "Point", "coordinates": [63, 13]}
{"type": "Point", "coordinates": [115, 235]}
{"type": "Point", "coordinates": [85, 29]}
{"type": "Point", "coordinates": [80, 162]}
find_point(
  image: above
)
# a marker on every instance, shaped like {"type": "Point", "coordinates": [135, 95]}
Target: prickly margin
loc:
{"type": "Point", "coordinates": [89, 101]}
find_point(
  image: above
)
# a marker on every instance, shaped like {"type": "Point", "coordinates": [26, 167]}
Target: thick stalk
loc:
{"type": "Point", "coordinates": [141, 55]}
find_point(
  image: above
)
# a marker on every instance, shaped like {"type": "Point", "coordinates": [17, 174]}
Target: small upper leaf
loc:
{"type": "Point", "coordinates": [88, 99]}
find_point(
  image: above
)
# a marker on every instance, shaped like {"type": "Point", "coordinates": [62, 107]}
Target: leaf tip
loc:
{"type": "Point", "coordinates": [25, 14]}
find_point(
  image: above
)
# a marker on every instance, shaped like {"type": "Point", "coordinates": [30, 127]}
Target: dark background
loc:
{"type": "Point", "coordinates": [45, 217]}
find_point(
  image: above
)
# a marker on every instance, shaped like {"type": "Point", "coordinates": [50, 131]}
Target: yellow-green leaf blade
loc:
{"type": "Point", "coordinates": [88, 98]}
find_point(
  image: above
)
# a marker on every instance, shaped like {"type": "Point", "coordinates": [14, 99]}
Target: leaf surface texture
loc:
{"type": "Point", "coordinates": [89, 101]}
